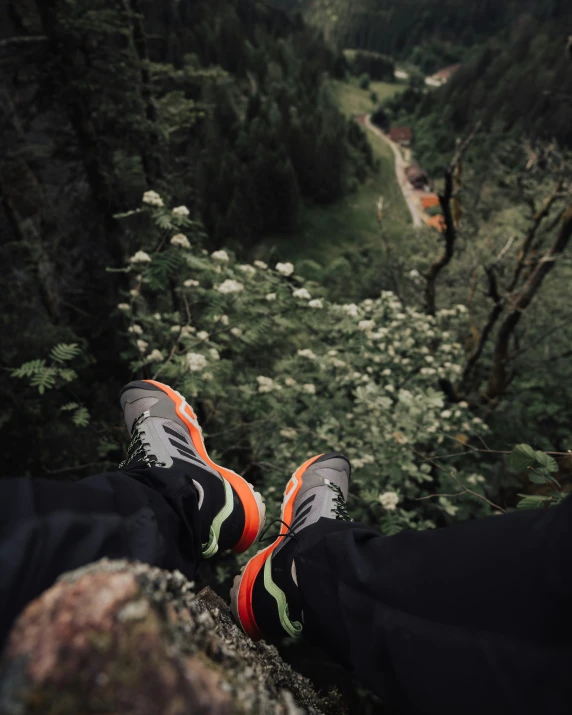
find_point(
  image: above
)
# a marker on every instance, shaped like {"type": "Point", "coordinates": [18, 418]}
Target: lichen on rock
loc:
{"type": "Point", "coordinates": [121, 637]}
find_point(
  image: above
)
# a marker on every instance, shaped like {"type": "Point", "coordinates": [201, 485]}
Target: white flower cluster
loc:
{"type": "Point", "coordinates": [220, 256]}
{"type": "Point", "coordinates": [180, 240]}
{"type": "Point", "coordinates": [266, 384]}
{"type": "Point", "coordinates": [247, 269]}
{"type": "Point", "coordinates": [286, 269]}
{"type": "Point", "coordinates": [316, 303]}
{"type": "Point", "coordinates": [230, 286]}
{"type": "Point", "coordinates": [152, 198]}
{"type": "Point", "coordinates": [140, 257]}
{"type": "Point", "coordinates": [302, 293]}
{"type": "Point", "coordinates": [191, 283]}
{"type": "Point", "coordinates": [181, 211]}
{"type": "Point", "coordinates": [196, 362]}
{"type": "Point", "coordinates": [389, 500]}
{"type": "Point", "coordinates": [260, 264]}
{"type": "Point", "coordinates": [307, 353]}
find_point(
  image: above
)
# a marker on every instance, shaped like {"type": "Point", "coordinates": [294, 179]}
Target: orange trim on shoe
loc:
{"type": "Point", "coordinates": [253, 567]}
{"type": "Point", "coordinates": [245, 493]}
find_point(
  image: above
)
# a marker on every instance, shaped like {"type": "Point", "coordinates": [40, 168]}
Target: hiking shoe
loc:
{"type": "Point", "coordinates": [264, 598]}
{"type": "Point", "coordinates": [165, 433]}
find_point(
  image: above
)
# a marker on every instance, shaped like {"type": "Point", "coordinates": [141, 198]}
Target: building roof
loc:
{"type": "Point", "coordinates": [401, 134]}
{"type": "Point", "coordinates": [437, 222]}
{"type": "Point", "coordinates": [430, 200]}
{"type": "Point", "coordinates": [414, 172]}
{"type": "Point", "coordinates": [445, 74]}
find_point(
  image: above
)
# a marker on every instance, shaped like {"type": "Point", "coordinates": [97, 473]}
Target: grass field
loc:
{"type": "Point", "coordinates": [354, 100]}
{"type": "Point", "coordinates": [326, 232]}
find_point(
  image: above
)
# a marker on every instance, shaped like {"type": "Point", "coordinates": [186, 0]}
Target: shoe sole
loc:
{"type": "Point", "coordinates": [252, 501]}
{"type": "Point", "coordinates": [241, 591]}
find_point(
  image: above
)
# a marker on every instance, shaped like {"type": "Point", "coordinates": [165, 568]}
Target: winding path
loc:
{"type": "Point", "coordinates": [409, 193]}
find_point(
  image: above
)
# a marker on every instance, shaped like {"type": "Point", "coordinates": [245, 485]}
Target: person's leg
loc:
{"type": "Point", "coordinates": [468, 619]}
{"type": "Point", "coordinates": [167, 505]}
{"type": "Point", "coordinates": [471, 619]}
{"type": "Point", "coordinates": [47, 528]}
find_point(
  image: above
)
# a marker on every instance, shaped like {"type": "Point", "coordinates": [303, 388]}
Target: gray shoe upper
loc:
{"type": "Point", "coordinates": [325, 485]}
{"type": "Point", "coordinates": [161, 431]}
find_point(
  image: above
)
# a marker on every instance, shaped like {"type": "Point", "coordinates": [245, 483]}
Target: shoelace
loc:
{"type": "Point", "coordinates": [290, 532]}
{"type": "Point", "coordinates": [341, 510]}
{"type": "Point", "coordinates": [138, 447]}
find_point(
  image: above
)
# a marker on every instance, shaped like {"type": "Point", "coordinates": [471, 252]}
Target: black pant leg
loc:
{"type": "Point", "coordinates": [469, 619]}
{"type": "Point", "coordinates": [47, 528]}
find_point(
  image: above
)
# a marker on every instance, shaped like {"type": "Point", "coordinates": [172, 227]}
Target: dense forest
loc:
{"type": "Point", "coordinates": [430, 33]}
{"type": "Point", "coordinates": [221, 104]}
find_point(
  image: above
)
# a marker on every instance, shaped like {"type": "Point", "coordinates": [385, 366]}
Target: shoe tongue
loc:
{"type": "Point", "coordinates": [133, 410]}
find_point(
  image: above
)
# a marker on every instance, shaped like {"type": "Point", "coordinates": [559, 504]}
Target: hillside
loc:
{"type": "Point", "coordinates": [431, 33]}
{"type": "Point", "coordinates": [518, 85]}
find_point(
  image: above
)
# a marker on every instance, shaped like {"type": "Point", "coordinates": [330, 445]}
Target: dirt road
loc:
{"type": "Point", "coordinates": [409, 194]}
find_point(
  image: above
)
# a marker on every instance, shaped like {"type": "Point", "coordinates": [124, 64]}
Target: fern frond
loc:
{"type": "Point", "coordinates": [69, 406]}
{"type": "Point", "coordinates": [65, 352]}
{"type": "Point", "coordinates": [29, 368]}
{"type": "Point", "coordinates": [81, 417]}
{"type": "Point", "coordinates": [44, 380]}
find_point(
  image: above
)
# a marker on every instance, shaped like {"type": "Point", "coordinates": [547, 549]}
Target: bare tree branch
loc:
{"type": "Point", "coordinates": [446, 199]}
{"type": "Point", "coordinates": [498, 374]}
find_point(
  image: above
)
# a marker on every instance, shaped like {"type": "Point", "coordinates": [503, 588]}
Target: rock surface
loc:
{"type": "Point", "coordinates": [118, 637]}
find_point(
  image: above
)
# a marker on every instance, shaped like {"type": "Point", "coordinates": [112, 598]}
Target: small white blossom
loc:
{"type": "Point", "coordinates": [135, 330]}
{"type": "Point", "coordinates": [140, 257]}
{"type": "Point", "coordinates": [461, 308]}
{"type": "Point", "coordinates": [181, 240]}
{"type": "Point", "coordinates": [155, 356]}
{"type": "Point", "coordinates": [389, 388]}
{"type": "Point", "coordinates": [302, 293]}
{"type": "Point", "coordinates": [366, 324]}
{"type": "Point", "coordinates": [247, 270]}
{"type": "Point", "coordinates": [265, 384]}
{"type": "Point", "coordinates": [316, 303]}
{"type": "Point", "coordinates": [351, 309]}
{"type": "Point", "coordinates": [191, 283]}
{"type": "Point", "coordinates": [271, 296]}
{"type": "Point", "coordinates": [152, 198]}
{"type": "Point", "coordinates": [290, 382]}
{"type": "Point", "coordinates": [429, 358]}
{"type": "Point", "coordinates": [389, 500]}
{"type": "Point", "coordinates": [386, 372]}
{"type": "Point", "coordinates": [156, 316]}
{"type": "Point", "coordinates": [288, 433]}
{"type": "Point", "coordinates": [124, 306]}
{"type": "Point", "coordinates": [336, 362]}
{"type": "Point", "coordinates": [220, 256]}
{"type": "Point", "coordinates": [332, 353]}
{"type": "Point", "coordinates": [428, 371]}
{"type": "Point", "coordinates": [237, 332]}
{"type": "Point", "coordinates": [208, 376]}
{"type": "Point", "coordinates": [203, 335]}
{"type": "Point", "coordinates": [286, 269]}
{"type": "Point", "coordinates": [414, 274]}
{"type": "Point", "coordinates": [142, 346]}
{"type": "Point", "coordinates": [446, 414]}
{"type": "Point", "coordinates": [230, 286]}
{"type": "Point", "coordinates": [309, 388]}
{"type": "Point", "coordinates": [307, 353]}
{"type": "Point", "coordinates": [196, 362]}
{"type": "Point", "coordinates": [181, 211]}
{"type": "Point", "coordinates": [213, 352]}
{"type": "Point", "coordinates": [464, 405]}
{"type": "Point", "coordinates": [260, 264]}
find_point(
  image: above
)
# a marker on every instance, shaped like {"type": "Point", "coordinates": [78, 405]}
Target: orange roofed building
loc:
{"type": "Point", "coordinates": [430, 200]}
{"type": "Point", "coordinates": [437, 222]}
{"type": "Point", "coordinates": [401, 135]}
